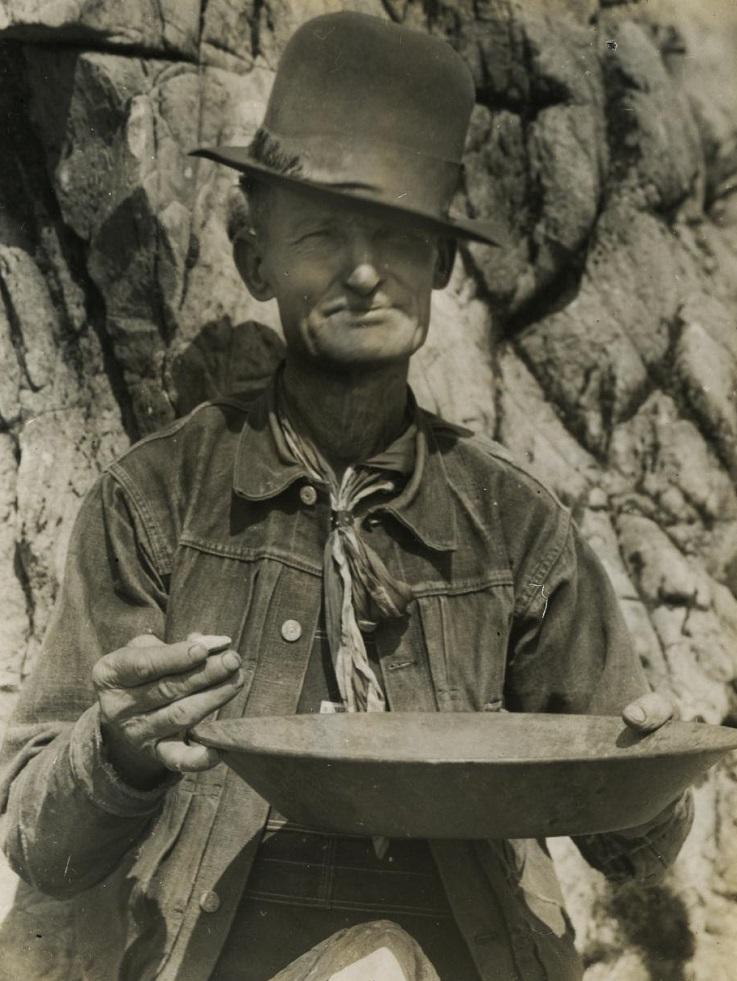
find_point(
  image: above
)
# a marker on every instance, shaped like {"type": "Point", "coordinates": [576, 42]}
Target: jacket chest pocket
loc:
{"type": "Point", "coordinates": [209, 594]}
{"type": "Point", "coordinates": [467, 635]}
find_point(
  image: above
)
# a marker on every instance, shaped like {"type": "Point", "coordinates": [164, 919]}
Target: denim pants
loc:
{"type": "Point", "coordinates": [306, 885]}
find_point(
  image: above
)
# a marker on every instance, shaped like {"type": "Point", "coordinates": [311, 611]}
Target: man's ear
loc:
{"type": "Point", "coordinates": [444, 265]}
{"type": "Point", "coordinates": [248, 256]}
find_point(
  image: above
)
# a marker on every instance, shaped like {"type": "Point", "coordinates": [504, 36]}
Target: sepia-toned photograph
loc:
{"type": "Point", "coordinates": [368, 490]}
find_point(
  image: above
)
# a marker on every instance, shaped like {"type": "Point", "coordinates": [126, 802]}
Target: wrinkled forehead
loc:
{"type": "Point", "coordinates": [294, 208]}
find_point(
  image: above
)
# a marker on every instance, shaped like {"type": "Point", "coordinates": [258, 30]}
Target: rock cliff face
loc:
{"type": "Point", "coordinates": [601, 347]}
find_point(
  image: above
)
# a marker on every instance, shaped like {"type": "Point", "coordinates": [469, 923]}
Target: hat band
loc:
{"type": "Point", "coordinates": [387, 172]}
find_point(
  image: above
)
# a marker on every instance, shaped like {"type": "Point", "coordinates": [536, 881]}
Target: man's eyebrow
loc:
{"type": "Point", "coordinates": [310, 222]}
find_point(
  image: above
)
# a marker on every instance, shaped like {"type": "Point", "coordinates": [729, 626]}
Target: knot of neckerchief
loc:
{"type": "Point", "coordinates": [359, 589]}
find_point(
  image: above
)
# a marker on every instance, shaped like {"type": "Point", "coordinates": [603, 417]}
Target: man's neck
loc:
{"type": "Point", "coordinates": [350, 416]}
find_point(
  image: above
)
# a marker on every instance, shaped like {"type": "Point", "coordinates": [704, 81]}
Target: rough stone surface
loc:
{"type": "Point", "coordinates": [170, 26]}
{"type": "Point", "coordinates": [452, 374]}
{"type": "Point", "coordinates": [599, 347]}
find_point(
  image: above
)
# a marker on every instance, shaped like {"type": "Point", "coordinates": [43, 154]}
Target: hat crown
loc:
{"type": "Point", "coordinates": [372, 112]}
{"type": "Point", "coordinates": [355, 79]}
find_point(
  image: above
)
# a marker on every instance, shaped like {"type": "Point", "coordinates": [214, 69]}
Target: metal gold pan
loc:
{"type": "Point", "coordinates": [465, 775]}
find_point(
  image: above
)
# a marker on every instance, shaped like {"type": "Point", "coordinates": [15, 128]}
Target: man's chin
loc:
{"type": "Point", "coordinates": [364, 355]}
{"type": "Point", "coordinates": [371, 344]}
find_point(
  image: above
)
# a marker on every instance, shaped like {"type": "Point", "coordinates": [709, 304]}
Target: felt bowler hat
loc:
{"type": "Point", "coordinates": [374, 112]}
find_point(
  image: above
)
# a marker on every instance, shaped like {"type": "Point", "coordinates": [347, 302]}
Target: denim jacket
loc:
{"type": "Point", "coordinates": [201, 527]}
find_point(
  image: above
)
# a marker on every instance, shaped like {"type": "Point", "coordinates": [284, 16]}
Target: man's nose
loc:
{"type": "Point", "coordinates": [362, 272]}
{"type": "Point", "coordinates": [364, 278]}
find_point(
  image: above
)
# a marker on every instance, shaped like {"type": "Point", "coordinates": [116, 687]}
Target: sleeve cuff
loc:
{"type": "Point", "coordinates": [646, 857]}
{"type": "Point", "coordinates": [99, 780]}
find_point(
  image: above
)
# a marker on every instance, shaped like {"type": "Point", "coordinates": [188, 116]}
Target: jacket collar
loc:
{"type": "Point", "coordinates": [263, 470]}
{"type": "Point", "coordinates": [263, 467]}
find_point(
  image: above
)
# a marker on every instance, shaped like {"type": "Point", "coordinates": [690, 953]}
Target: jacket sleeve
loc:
{"type": "Point", "coordinates": [571, 652]}
{"type": "Point", "coordinates": [70, 818]}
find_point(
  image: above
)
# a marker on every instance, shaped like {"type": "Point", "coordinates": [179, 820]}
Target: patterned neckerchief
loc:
{"type": "Point", "coordinates": [359, 590]}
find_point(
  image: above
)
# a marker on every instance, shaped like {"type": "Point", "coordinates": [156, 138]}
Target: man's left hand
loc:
{"type": "Point", "coordinates": [649, 712]}
{"type": "Point", "coordinates": [646, 714]}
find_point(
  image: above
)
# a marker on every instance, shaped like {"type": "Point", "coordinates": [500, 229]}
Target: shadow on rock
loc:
{"type": "Point", "coordinates": [223, 359]}
{"type": "Point", "coordinates": [655, 921]}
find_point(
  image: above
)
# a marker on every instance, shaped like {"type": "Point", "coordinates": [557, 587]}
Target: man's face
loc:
{"type": "Point", "coordinates": [353, 285]}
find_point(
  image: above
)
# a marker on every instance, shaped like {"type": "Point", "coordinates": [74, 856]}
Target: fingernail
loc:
{"type": "Point", "coordinates": [637, 714]}
{"type": "Point", "coordinates": [213, 642]}
{"type": "Point", "coordinates": [239, 679]}
{"type": "Point", "coordinates": [231, 660]}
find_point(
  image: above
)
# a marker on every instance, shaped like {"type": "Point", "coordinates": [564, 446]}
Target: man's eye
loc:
{"type": "Point", "coordinates": [405, 237]}
{"type": "Point", "coordinates": [317, 235]}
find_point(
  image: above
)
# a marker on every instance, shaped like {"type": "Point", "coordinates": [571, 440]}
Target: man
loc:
{"type": "Point", "coordinates": [326, 546]}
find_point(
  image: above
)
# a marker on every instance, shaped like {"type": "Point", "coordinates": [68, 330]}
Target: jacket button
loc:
{"type": "Point", "coordinates": [291, 630]}
{"type": "Point", "coordinates": [307, 494]}
{"type": "Point", "coordinates": [209, 902]}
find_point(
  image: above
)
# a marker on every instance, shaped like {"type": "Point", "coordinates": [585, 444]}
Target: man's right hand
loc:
{"type": "Point", "coordinates": [151, 693]}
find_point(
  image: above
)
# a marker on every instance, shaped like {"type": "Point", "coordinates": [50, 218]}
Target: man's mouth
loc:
{"type": "Point", "coordinates": [363, 315]}
{"type": "Point", "coordinates": [373, 315]}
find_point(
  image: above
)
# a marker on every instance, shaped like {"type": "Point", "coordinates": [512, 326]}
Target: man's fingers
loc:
{"type": "Point", "coordinates": [140, 662]}
{"type": "Point", "coordinates": [145, 640]}
{"type": "Point", "coordinates": [649, 712]}
{"type": "Point", "coordinates": [122, 703]}
{"type": "Point", "coordinates": [185, 757]}
{"type": "Point", "coordinates": [186, 712]}
{"type": "Point", "coordinates": [175, 718]}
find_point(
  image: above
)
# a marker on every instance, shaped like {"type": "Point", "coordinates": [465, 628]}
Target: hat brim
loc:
{"type": "Point", "coordinates": [453, 226]}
